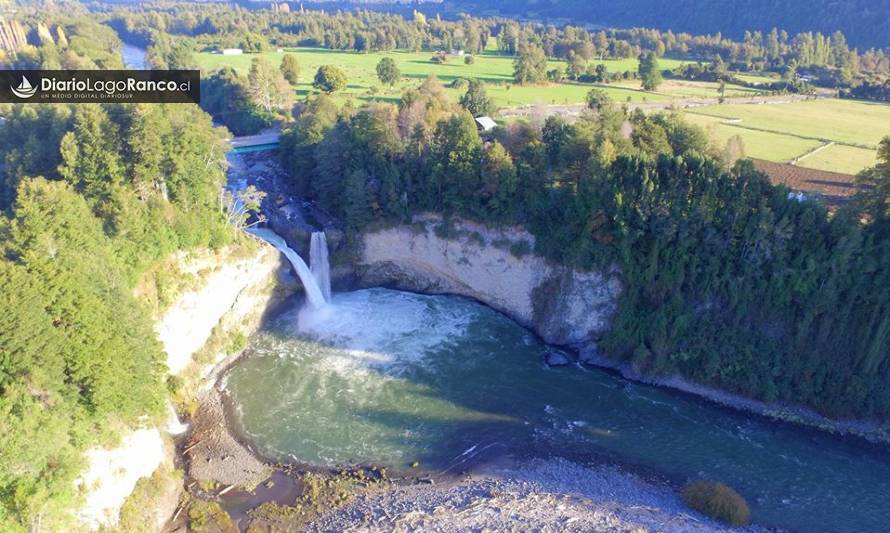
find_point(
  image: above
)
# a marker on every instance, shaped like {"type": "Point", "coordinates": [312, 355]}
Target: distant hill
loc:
{"type": "Point", "coordinates": [866, 23]}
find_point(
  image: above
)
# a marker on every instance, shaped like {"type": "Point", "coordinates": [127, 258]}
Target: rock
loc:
{"type": "Point", "coordinates": [564, 306]}
{"type": "Point", "coordinates": [572, 307]}
{"type": "Point", "coordinates": [589, 355]}
{"type": "Point", "coordinates": [556, 358]}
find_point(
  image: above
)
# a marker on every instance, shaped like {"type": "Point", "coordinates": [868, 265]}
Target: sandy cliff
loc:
{"type": "Point", "coordinates": [497, 268]}
{"type": "Point", "coordinates": [233, 293]}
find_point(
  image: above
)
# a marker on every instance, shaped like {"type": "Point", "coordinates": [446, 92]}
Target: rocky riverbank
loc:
{"type": "Point", "coordinates": [543, 495]}
{"type": "Point", "coordinates": [551, 494]}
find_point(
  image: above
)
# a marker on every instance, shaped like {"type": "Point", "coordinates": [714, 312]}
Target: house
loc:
{"type": "Point", "coordinates": [231, 51]}
{"type": "Point", "coordinates": [485, 124]}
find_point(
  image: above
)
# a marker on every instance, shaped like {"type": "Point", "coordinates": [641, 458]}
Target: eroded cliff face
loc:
{"type": "Point", "coordinates": [497, 268]}
{"type": "Point", "coordinates": [233, 291]}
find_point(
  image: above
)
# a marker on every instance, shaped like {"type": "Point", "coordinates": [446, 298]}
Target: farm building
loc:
{"type": "Point", "coordinates": [485, 124]}
{"type": "Point", "coordinates": [231, 51]}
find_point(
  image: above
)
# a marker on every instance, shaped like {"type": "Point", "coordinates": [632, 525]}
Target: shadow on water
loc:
{"type": "Point", "coordinates": [488, 395]}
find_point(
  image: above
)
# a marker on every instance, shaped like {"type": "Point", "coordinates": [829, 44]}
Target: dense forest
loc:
{"type": "Point", "coordinates": [728, 280]}
{"type": "Point", "coordinates": [865, 22]}
{"type": "Point", "coordinates": [90, 197]}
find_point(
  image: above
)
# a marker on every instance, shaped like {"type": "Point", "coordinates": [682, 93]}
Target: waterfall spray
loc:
{"type": "Point", "coordinates": [319, 265]}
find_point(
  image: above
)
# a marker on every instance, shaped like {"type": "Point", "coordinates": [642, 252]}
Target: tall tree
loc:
{"type": "Point", "coordinates": [649, 71]}
{"type": "Point", "coordinates": [455, 169]}
{"type": "Point", "coordinates": [269, 89]}
{"type": "Point", "coordinates": [597, 99]}
{"type": "Point", "coordinates": [290, 68]}
{"type": "Point", "coordinates": [873, 185]}
{"type": "Point", "coordinates": [530, 65]}
{"type": "Point", "coordinates": [298, 141]}
{"type": "Point", "coordinates": [476, 100]}
{"type": "Point", "coordinates": [91, 159]}
{"type": "Point", "coordinates": [387, 71]}
{"type": "Point", "coordinates": [329, 79]}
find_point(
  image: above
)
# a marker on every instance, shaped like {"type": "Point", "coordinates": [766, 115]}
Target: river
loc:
{"type": "Point", "coordinates": [134, 57]}
{"type": "Point", "coordinates": [387, 377]}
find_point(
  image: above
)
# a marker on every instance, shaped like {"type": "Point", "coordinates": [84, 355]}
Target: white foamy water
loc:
{"type": "Point", "coordinates": [381, 329]}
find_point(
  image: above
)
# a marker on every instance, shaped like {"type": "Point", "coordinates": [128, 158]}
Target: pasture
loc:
{"type": "Point", "coordinates": [780, 132]}
{"type": "Point", "coordinates": [494, 69]}
{"type": "Point", "coordinates": [840, 158]}
{"type": "Point", "coordinates": [758, 144]}
{"type": "Point", "coordinates": [843, 121]}
{"type": "Point", "coordinates": [787, 132]}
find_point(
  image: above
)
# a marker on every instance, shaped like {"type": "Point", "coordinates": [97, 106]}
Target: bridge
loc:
{"type": "Point", "coordinates": [266, 140]}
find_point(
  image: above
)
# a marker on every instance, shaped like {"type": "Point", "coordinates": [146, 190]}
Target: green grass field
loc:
{"type": "Point", "coordinates": [783, 132]}
{"type": "Point", "coordinates": [496, 70]}
{"type": "Point", "coordinates": [758, 144]}
{"type": "Point", "coordinates": [844, 121]}
{"type": "Point", "coordinates": [757, 78]}
{"type": "Point", "coordinates": [693, 89]}
{"type": "Point", "coordinates": [840, 158]}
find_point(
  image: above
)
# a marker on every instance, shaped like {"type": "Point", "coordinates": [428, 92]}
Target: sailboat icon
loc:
{"type": "Point", "coordinates": [24, 90]}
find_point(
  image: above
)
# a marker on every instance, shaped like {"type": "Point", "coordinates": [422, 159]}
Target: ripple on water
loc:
{"type": "Point", "coordinates": [389, 377]}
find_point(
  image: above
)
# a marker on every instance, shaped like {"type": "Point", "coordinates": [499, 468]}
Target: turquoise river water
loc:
{"type": "Point", "coordinates": [386, 377]}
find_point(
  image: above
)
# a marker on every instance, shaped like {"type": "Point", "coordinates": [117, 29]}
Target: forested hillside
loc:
{"type": "Point", "coordinates": [727, 280]}
{"type": "Point", "coordinates": [865, 22]}
{"type": "Point", "coordinates": [90, 196]}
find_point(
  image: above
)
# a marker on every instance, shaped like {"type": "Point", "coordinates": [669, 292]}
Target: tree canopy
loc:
{"type": "Point", "coordinates": [329, 79]}
{"type": "Point", "coordinates": [387, 71]}
{"type": "Point", "coordinates": [108, 191]}
{"type": "Point", "coordinates": [290, 68]}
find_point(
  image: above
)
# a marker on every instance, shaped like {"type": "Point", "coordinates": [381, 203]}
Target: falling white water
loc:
{"type": "Point", "coordinates": [319, 265]}
{"type": "Point", "coordinates": [174, 425]}
{"type": "Point", "coordinates": [313, 292]}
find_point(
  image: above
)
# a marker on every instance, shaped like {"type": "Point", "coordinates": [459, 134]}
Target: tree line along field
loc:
{"type": "Point", "coordinates": [494, 69]}
{"type": "Point", "coordinates": [785, 132]}
{"type": "Point", "coordinates": [826, 134]}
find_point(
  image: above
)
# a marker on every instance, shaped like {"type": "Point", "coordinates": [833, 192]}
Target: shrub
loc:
{"type": "Point", "coordinates": [209, 516]}
{"type": "Point", "coordinates": [469, 60]}
{"type": "Point", "coordinates": [717, 501]}
{"type": "Point", "coordinates": [520, 249]}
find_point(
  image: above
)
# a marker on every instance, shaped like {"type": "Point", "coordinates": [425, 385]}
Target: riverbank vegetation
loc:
{"type": "Point", "coordinates": [717, 501]}
{"type": "Point", "coordinates": [92, 196]}
{"type": "Point", "coordinates": [728, 281]}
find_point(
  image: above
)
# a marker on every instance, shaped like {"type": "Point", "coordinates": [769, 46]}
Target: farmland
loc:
{"type": "Point", "coordinates": [494, 69]}
{"type": "Point", "coordinates": [846, 130]}
{"type": "Point", "coordinates": [849, 130]}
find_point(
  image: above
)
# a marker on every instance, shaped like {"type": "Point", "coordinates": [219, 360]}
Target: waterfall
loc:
{"type": "Point", "coordinates": [319, 265]}
{"type": "Point", "coordinates": [313, 292]}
